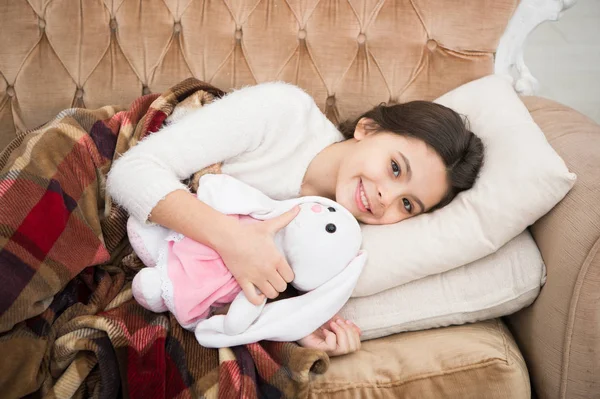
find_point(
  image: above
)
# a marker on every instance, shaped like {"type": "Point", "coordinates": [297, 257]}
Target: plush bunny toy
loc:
{"type": "Point", "coordinates": [321, 244]}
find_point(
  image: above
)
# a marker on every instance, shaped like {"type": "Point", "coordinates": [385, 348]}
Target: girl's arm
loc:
{"type": "Point", "coordinates": [146, 180]}
{"type": "Point", "coordinates": [235, 124]}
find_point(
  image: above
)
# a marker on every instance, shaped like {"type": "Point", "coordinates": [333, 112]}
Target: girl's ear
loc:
{"type": "Point", "coordinates": [364, 127]}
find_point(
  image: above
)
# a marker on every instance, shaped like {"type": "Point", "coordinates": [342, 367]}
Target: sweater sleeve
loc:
{"type": "Point", "coordinates": [237, 123]}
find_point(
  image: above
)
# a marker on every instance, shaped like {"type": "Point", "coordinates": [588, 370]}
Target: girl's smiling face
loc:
{"type": "Point", "coordinates": [387, 177]}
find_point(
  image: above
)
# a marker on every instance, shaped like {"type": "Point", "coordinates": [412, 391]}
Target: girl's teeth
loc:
{"type": "Point", "coordinates": [363, 198]}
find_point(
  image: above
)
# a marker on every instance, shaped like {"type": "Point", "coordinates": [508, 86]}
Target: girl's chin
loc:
{"type": "Point", "coordinates": [358, 215]}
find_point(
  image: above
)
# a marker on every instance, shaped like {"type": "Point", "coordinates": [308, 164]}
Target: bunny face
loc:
{"type": "Point", "coordinates": [320, 242]}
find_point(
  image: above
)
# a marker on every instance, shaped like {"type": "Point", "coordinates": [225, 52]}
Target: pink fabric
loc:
{"type": "Point", "coordinates": [200, 279]}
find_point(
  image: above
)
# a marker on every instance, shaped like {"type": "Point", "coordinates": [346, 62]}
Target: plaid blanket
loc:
{"type": "Point", "coordinates": [69, 326]}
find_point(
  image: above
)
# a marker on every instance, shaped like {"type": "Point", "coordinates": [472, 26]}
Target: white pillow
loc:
{"type": "Point", "coordinates": [521, 180]}
{"type": "Point", "coordinates": [497, 285]}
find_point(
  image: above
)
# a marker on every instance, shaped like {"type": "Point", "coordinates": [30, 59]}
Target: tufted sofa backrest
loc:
{"type": "Point", "coordinates": [349, 54]}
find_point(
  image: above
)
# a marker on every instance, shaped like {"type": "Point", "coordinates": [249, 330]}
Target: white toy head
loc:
{"type": "Point", "coordinates": [320, 242]}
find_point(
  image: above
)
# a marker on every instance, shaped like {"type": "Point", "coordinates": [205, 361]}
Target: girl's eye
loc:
{"type": "Point", "coordinates": [395, 169]}
{"type": "Point", "coordinates": [407, 205]}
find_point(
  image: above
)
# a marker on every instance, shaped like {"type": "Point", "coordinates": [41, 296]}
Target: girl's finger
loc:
{"type": "Point", "coordinates": [342, 337]}
{"type": "Point", "coordinates": [351, 337]}
{"type": "Point", "coordinates": [330, 339]}
{"type": "Point", "coordinates": [283, 220]}
{"type": "Point", "coordinates": [277, 281]}
{"type": "Point", "coordinates": [356, 337]}
{"type": "Point", "coordinates": [284, 269]}
{"type": "Point", "coordinates": [286, 273]}
{"type": "Point", "coordinates": [254, 297]}
{"type": "Point", "coordinates": [355, 326]}
{"type": "Point", "coordinates": [267, 289]}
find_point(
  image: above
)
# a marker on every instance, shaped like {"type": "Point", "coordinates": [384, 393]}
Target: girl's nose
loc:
{"type": "Point", "coordinates": [384, 197]}
{"type": "Point", "coordinates": [317, 208]}
{"type": "Point", "coordinates": [381, 198]}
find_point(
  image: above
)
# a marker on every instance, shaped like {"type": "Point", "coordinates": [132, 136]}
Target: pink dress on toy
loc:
{"type": "Point", "coordinates": [201, 281]}
{"type": "Point", "coordinates": [198, 280]}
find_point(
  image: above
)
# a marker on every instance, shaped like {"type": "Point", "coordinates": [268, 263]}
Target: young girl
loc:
{"type": "Point", "coordinates": [392, 163]}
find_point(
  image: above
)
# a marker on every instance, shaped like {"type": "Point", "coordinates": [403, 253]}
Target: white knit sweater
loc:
{"type": "Point", "coordinates": [265, 135]}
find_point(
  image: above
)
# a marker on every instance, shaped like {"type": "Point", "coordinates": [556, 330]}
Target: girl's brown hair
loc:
{"type": "Point", "coordinates": [440, 128]}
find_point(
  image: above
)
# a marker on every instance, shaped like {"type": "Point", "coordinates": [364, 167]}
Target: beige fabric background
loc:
{"type": "Point", "coordinates": [559, 334]}
{"type": "Point", "coordinates": [349, 54]}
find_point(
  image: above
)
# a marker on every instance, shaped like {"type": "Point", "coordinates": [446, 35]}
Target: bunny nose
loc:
{"type": "Point", "coordinates": [316, 208]}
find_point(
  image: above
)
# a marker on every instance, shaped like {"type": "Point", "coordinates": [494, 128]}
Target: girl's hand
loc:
{"type": "Point", "coordinates": [336, 337]}
{"type": "Point", "coordinates": [250, 254]}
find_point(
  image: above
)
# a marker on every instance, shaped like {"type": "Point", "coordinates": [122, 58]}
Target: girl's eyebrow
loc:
{"type": "Point", "coordinates": [408, 169]}
{"type": "Point", "coordinates": [418, 201]}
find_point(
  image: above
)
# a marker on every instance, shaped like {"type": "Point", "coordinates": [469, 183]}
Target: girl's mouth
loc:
{"type": "Point", "coordinates": [360, 197]}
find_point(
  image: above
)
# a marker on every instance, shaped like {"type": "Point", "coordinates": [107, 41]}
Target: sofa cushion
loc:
{"type": "Point", "coordinates": [559, 334]}
{"type": "Point", "coordinates": [521, 180]}
{"type": "Point", "coordinates": [475, 361]}
{"type": "Point", "coordinates": [496, 285]}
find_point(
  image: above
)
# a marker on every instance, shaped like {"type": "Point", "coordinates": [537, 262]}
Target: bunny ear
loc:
{"type": "Point", "coordinates": [231, 196]}
{"type": "Point", "coordinates": [281, 207]}
{"type": "Point", "coordinates": [289, 319]}
{"type": "Point", "coordinates": [241, 314]}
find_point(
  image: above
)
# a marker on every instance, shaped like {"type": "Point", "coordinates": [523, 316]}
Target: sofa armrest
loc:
{"type": "Point", "coordinates": [559, 334]}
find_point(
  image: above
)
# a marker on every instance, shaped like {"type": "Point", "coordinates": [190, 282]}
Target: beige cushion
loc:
{"type": "Point", "coordinates": [497, 285]}
{"type": "Point", "coordinates": [559, 334]}
{"type": "Point", "coordinates": [473, 361]}
{"type": "Point", "coordinates": [521, 180]}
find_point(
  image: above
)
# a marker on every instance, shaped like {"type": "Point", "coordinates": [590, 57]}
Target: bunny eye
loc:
{"type": "Point", "coordinates": [331, 209]}
{"type": "Point", "coordinates": [330, 228]}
